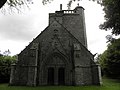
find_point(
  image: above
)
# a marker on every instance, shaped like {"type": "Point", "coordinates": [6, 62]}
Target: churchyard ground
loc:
{"type": "Point", "coordinates": [108, 84]}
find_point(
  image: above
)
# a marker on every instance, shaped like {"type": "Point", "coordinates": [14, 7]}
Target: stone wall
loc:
{"type": "Point", "coordinates": [62, 44]}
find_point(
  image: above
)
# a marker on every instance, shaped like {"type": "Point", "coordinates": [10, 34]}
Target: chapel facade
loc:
{"type": "Point", "coordinates": [58, 55]}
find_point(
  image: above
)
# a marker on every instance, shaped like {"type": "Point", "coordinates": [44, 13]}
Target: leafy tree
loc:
{"type": "Point", "coordinates": [112, 16]}
{"type": "Point", "coordinates": [5, 66]}
{"type": "Point", "coordinates": [110, 59]}
{"type": "Point", "coordinates": [6, 53]}
{"type": "Point", "coordinates": [2, 2]}
{"type": "Point", "coordinates": [1, 54]}
{"type": "Point", "coordinates": [16, 3]}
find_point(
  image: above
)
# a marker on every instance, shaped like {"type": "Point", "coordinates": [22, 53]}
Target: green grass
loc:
{"type": "Point", "coordinates": [108, 84]}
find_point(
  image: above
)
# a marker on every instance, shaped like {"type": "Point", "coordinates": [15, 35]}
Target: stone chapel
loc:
{"type": "Point", "coordinates": [58, 55]}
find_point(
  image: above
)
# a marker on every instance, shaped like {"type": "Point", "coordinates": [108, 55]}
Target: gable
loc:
{"type": "Point", "coordinates": [55, 36]}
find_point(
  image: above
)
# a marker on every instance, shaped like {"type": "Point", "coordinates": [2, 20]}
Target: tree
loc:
{"type": "Point", "coordinates": [15, 3]}
{"type": "Point", "coordinates": [1, 54]}
{"type": "Point", "coordinates": [2, 2]}
{"type": "Point", "coordinates": [110, 59]}
{"type": "Point", "coordinates": [6, 53]}
{"type": "Point", "coordinates": [112, 16]}
{"type": "Point", "coordinates": [5, 66]}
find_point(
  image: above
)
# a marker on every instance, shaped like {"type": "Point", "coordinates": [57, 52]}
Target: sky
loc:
{"type": "Point", "coordinates": [17, 30]}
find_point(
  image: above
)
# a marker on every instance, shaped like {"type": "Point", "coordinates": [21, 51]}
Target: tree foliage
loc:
{"type": "Point", "coordinates": [2, 2]}
{"type": "Point", "coordinates": [110, 59]}
{"type": "Point", "coordinates": [112, 16]}
{"type": "Point", "coordinates": [19, 3]}
{"type": "Point", "coordinates": [5, 66]}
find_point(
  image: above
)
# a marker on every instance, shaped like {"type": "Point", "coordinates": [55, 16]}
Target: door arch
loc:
{"type": "Point", "coordinates": [61, 76]}
{"type": "Point", "coordinates": [50, 79]}
{"type": "Point", "coordinates": [57, 64]}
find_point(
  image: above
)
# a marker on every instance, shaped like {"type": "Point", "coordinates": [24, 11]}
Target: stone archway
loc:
{"type": "Point", "coordinates": [56, 70]}
{"type": "Point", "coordinates": [61, 76]}
{"type": "Point", "coordinates": [57, 67]}
{"type": "Point", "coordinates": [50, 79]}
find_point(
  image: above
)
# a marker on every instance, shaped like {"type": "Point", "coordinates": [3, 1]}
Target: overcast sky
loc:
{"type": "Point", "coordinates": [17, 30]}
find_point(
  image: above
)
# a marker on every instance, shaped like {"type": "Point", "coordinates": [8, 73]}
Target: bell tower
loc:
{"type": "Point", "coordinates": [73, 21]}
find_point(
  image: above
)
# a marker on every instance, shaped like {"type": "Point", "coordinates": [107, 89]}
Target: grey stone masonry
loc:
{"type": "Point", "coordinates": [58, 55]}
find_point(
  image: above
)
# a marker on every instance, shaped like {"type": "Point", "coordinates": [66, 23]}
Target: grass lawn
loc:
{"type": "Point", "coordinates": [108, 84]}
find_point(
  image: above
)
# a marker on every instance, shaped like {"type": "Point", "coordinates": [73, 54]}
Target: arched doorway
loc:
{"type": "Point", "coordinates": [55, 70]}
{"type": "Point", "coordinates": [50, 76]}
{"type": "Point", "coordinates": [61, 76]}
